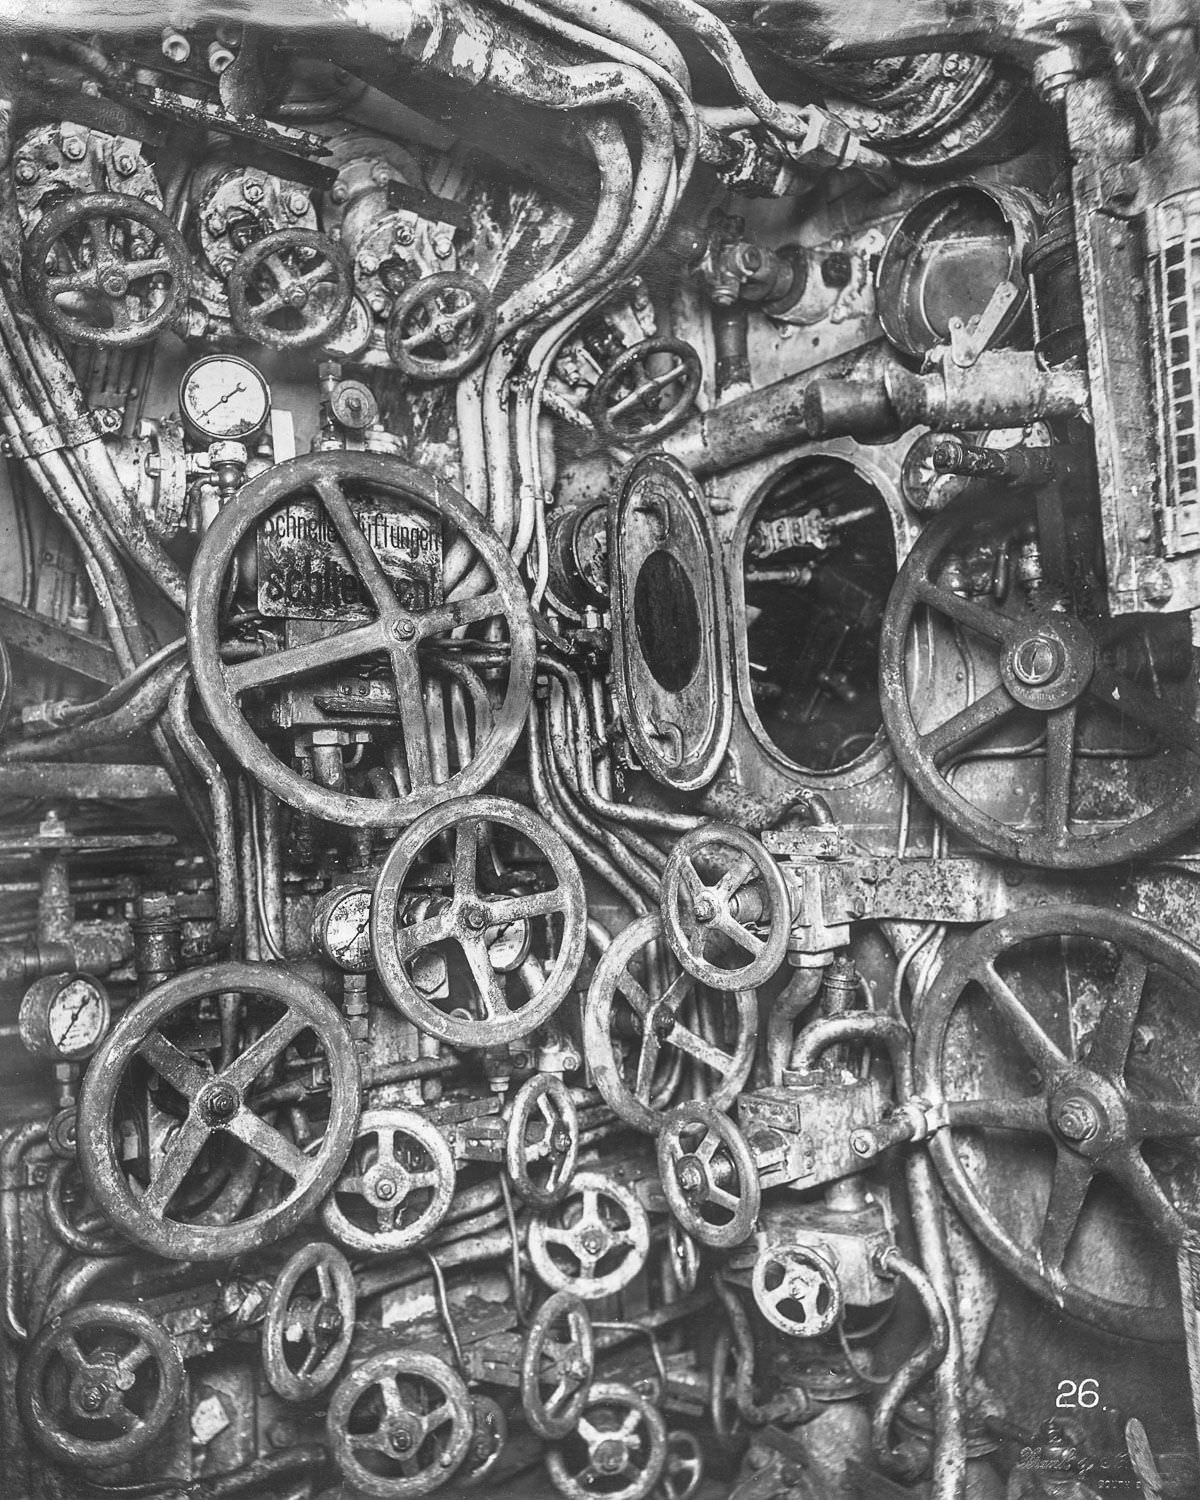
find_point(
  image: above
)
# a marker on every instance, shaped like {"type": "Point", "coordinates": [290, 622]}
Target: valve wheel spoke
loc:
{"type": "Point", "coordinates": [989, 623]}
{"type": "Point", "coordinates": [1072, 1177]}
{"type": "Point", "coordinates": [299, 661]}
{"type": "Point", "coordinates": [968, 724]}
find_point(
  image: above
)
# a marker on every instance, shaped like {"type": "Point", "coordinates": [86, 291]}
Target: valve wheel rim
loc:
{"type": "Point", "coordinates": [589, 1239]}
{"type": "Point", "coordinates": [1084, 680]}
{"type": "Point", "coordinates": [389, 1125]}
{"type": "Point", "coordinates": [468, 916]}
{"type": "Point", "coordinates": [550, 1097]}
{"type": "Point", "coordinates": [612, 978]}
{"type": "Point", "coordinates": [59, 1338]}
{"type": "Point", "coordinates": [323, 476]}
{"type": "Point", "coordinates": [112, 276]}
{"type": "Point", "coordinates": [686, 931]}
{"type": "Point", "coordinates": [336, 1282]}
{"type": "Point", "coordinates": [555, 1415]}
{"type": "Point", "coordinates": [144, 1218]}
{"type": "Point", "coordinates": [1066, 1083]}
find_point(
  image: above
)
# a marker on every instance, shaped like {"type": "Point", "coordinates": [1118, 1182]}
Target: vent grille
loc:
{"type": "Point", "coordinates": [1175, 283]}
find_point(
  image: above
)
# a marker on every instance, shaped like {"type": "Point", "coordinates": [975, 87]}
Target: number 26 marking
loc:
{"type": "Point", "coordinates": [1077, 1393]}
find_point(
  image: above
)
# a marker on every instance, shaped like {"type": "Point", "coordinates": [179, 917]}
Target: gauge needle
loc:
{"type": "Point", "coordinates": [74, 1019]}
{"type": "Point", "coordinates": [228, 396]}
{"type": "Point", "coordinates": [358, 932]}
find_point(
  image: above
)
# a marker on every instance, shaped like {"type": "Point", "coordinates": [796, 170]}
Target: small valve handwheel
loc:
{"type": "Point", "coordinates": [666, 1028]}
{"type": "Point", "coordinates": [98, 1385]}
{"type": "Point", "coordinates": [647, 391]}
{"type": "Point", "coordinates": [559, 1354]}
{"type": "Point", "coordinates": [594, 1242]}
{"type": "Point", "coordinates": [502, 1007]}
{"type": "Point", "coordinates": [307, 1330]}
{"type": "Point", "coordinates": [291, 289]}
{"type": "Point", "coordinates": [441, 326]}
{"type": "Point", "coordinates": [618, 1448]}
{"type": "Point", "coordinates": [541, 1145]}
{"type": "Point", "coordinates": [797, 1290]}
{"type": "Point", "coordinates": [745, 915]}
{"type": "Point", "coordinates": [106, 269]}
{"type": "Point", "coordinates": [399, 1424]}
{"type": "Point", "coordinates": [398, 1185]}
{"type": "Point", "coordinates": [216, 1106]}
{"type": "Point", "coordinates": [709, 1175]}
{"type": "Point", "coordinates": [488, 1436]}
{"type": "Point", "coordinates": [399, 639]}
{"type": "Point", "coordinates": [683, 1472]}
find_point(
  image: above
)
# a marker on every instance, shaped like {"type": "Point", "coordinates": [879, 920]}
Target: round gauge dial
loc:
{"type": "Point", "coordinates": [341, 927]}
{"type": "Point", "coordinates": [64, 1017]}
{"type": "Point", "coordinates": [224, 398]}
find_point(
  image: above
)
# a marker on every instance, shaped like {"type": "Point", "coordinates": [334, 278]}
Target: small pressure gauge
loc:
{"type": "Point", "coordinates": [64, 1017]}
{"type": "Point", "coordinates": [224, 398]}
{"type": "Point", "coordinates": [341, 927]}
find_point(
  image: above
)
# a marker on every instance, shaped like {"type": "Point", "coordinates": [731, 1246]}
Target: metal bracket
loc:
{"type": "Point", "coordinates": [53, 437]}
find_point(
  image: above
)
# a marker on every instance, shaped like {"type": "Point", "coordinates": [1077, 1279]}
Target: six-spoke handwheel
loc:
{"type": "Point", "coordinates": [1046, 1037]}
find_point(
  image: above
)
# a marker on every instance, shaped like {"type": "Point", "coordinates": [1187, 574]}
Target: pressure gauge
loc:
{"type": "Point", "coordinates": [64, 1017]}
{"type": "Point", "coordinates": [341, 927]}
{"type": "Point", "coordinates": [224, 398]}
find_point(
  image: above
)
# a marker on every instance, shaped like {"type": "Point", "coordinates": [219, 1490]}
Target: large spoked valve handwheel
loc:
{"type": "Point", "coordinates": [618, 1448]}
{"type": "Point", "coordinates": [160, 1043]}
{"type": "Point", "coordinates": [399, 1425]}
{"type": "Point", "coordinates": [291, 289]}
{"type": "Point", "coordinates": [1061, 1041]}
{"type": "Point", "coordinates": [309, 1323]}
{"type": "Point", "coordinates": [646, 392]}
{"type": "Point", "coordinates": [541, 1143]}
{"type": "Point", "coordinates": [557, 1365]}
{"type": "Point", "coordinates": [594, 1242]}
{"type": "Point", "coordinates": [106, 269]}
{"type": "Point", "coordinates": [402, 644]}
{"type": "Point", "coordinates": [493, 1007]}
{"type": "Point", "coordinates": [99, 1385]}
{"type": "Point", "coordinates": [723, 894]}
{"type": "Point", "coordinates": [709, 1175]}
{"type": "Point", "coordinates": [1073, 743]}
{"type": "Point", "coordinates": [397, 1187]}
{"type": "Point", "coordinates": [441, 326]}
{"type": "Point", "coordinates": [634, 1037]}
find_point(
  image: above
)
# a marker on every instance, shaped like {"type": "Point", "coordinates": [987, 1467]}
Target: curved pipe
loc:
{"type": "Point", "coordinates": [16, 1143]}
{"type": "Point", "coordinates": [897, 1460]}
